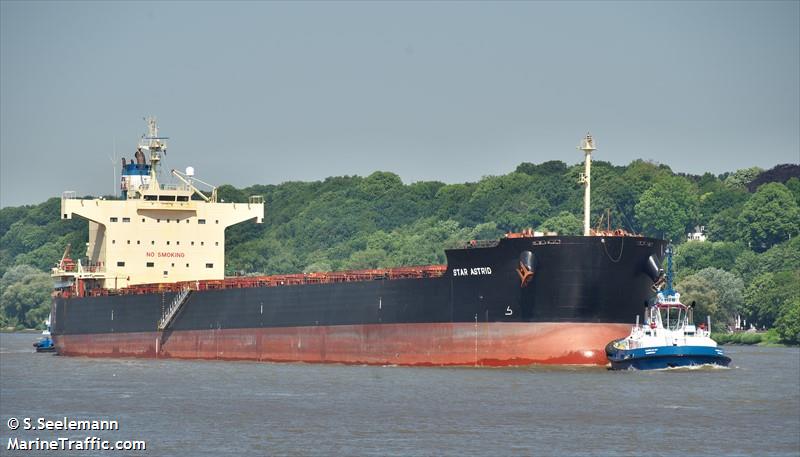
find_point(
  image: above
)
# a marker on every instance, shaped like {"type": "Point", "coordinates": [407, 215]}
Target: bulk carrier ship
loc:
{"type": "Point", "coordinates": [153, 285]}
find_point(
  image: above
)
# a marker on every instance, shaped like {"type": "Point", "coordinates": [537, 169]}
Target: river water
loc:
{"type": "Point", "coordinates": [207, 408]}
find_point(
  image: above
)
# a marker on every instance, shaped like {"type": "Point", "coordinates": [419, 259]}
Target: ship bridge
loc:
{"type": "Point", "coordinates": [157, 233]}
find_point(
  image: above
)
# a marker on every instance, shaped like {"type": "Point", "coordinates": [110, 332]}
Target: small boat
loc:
{"type": "Point", "coordinates": [668, 337]}
{"type": "Point", "coordinates": [45, 343]}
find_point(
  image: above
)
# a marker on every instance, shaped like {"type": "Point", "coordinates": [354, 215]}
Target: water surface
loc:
{"type": "Point", "coordinates": [207, 408]}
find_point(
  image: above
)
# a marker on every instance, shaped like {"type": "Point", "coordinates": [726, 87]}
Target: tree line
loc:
{"type": "Point", "coordinates": [749, 267]}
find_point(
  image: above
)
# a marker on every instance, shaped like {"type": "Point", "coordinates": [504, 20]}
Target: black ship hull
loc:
{"type": "Point", "coordinates": [523, 300]}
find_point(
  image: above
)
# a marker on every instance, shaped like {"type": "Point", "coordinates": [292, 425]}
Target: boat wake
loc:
{"type": "Point", "coordinates": [704, 367]}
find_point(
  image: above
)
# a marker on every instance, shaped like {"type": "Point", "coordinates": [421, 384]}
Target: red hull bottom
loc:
{"type": "Point", "coordinates": [466, 344]}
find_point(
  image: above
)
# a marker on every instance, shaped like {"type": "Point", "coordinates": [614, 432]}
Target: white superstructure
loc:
{"type": "Point", "coordinates": [668, 323]}
{"type": "Point", "coordinates": [158, 233]}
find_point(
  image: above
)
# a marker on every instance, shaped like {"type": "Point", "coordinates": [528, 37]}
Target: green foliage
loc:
{"type": "Point", "coordinates": [793, 184]}
{"type": "Point", "coordinates": [702, 292]}
{"type": "Point", "coordinates": [770, 217]}
{"type": "Point", "coordinates": [717, 293]}
{"type": "Point", "coordinates": [564, 223]}
{"type": "Point", "coordinates": [450, 201]}
{"type": "Point", "coordinates": [696, 255]}
{"type": "Point", "coordinates": [38, 236]}
{"type": "Point", "coordinates": [667, 209]}
{"type": "Point", "coordinates": [768, 293]}
{"type": "Point", "coordinates": [421, 243]}
{"type": "Point", "coordinates": [719, 209]}
{"type": "Point", "coordinates": [729, 293]}
{"type": "Point", "coordinates": [788, 323]}
{"type": "Point", "coordinates": [784, 256]}
{"type": "Point", "coordinates": [724, 225]}
{"type": "Point", "coordinates": [743, 338]}
{"type": "Point", "coordinates": [511, 201]}
{"type": "Point", "coordinates": [741, 178]}
{"type": "Point", "coordinates": [25, 296]}
{"type": "Point", "coordinates": [552, 182]}
{"type": "Point", "coordinates": [641, 175]}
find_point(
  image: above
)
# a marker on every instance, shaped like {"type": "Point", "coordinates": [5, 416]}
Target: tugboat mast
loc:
{"type": "Point", "coordinates": [587, 146]}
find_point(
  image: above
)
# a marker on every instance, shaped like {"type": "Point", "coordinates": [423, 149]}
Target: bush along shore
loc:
{"type": "Point", "coordinates": [767, 338]}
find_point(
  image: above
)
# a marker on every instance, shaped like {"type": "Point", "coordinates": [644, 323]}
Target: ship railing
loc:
{"type": "Point", "coordinates": [146, 187]}
{"type": "Point", "coordinates": [256, 200]}
{"type": "Point", "coordinates": [69, 195]}
{"type": "Point", "coordinates": [174, 306]}
{"type": "Point", "coordinates": [480, 244]}
{"type": "Point", "coordinates": [91, 267]}
{"type": "Point", "coordinates": [243, 282]}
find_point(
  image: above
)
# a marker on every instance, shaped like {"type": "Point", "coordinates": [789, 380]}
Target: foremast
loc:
{"type": "Point", "coordinates": [587, 146]}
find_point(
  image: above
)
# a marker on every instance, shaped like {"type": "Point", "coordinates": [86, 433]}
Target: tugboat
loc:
{"type": "Point", "coordinates": [668, 338]}
{"type": "Point", "coordinates": [45, 343]}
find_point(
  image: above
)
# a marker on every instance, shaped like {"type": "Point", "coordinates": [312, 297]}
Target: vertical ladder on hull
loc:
{"type": "Point", "coordinates": [177, 303]}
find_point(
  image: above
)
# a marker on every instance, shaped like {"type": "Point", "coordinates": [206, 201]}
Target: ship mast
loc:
{"type": "Point", "coordinates": [587, 146]}
{"type": "Point", "coordinates": [155, 144]}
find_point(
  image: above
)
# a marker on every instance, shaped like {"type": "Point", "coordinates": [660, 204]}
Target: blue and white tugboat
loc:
{"type": "Point", "coordinates": [668, 337]}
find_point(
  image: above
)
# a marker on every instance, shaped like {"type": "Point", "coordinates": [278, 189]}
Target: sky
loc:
{"type": "Point", "coordinates": [268, 92]}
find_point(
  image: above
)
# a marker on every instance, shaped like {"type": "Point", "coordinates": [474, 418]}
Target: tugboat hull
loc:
{"type": "Point", "coordinates": [657, 358]}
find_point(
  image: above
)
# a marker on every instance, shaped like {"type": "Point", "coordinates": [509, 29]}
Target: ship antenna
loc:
{"type": "Point", "coordinates": [587, 146]}
{"type": "Point", "coordinates": [156, 145]}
